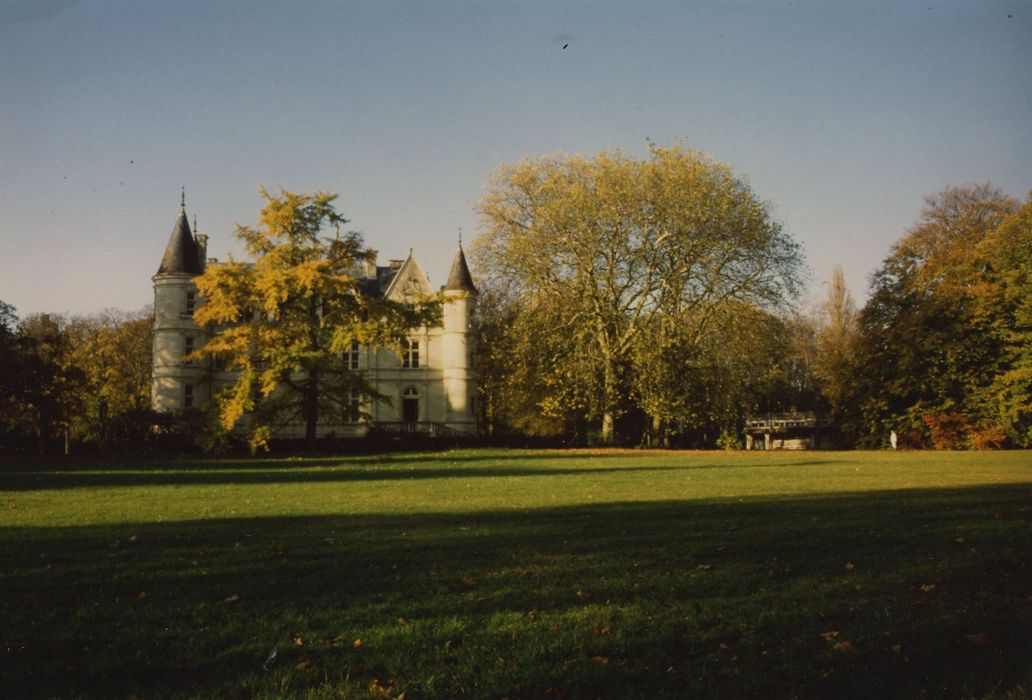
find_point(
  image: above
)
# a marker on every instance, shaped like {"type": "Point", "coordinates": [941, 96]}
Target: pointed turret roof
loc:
{"type": "Point", "coordinates": [459, 278]}
{"type": "Point", "coordinates": [181, 253]}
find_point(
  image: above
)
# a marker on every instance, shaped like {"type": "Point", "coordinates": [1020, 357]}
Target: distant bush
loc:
{"type": "Point", "coordinates": [728, 441]}
{"type": "Point", "coordinates": [957, 431]}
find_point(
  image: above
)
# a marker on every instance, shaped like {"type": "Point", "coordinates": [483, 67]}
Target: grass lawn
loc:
{"type": "Point", "coordinates": [489, 573]}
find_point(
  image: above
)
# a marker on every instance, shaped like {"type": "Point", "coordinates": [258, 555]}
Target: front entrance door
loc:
{"type": "Point", "coordinates": [410, 406]}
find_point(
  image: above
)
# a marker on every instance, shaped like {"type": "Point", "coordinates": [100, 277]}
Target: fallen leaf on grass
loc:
{"type": "Point", "coordinates": [850, 566]}
{"type": "Point", "coordinates": [829, 636]}
{"type": "Point", "coordinates": [602, 629]}
{"type": "Point", "coordinates": [379, 689]}
{"type": "Point", "coordinates": [978, 638]}
{"type": "Point", "coordinates": [896, 648]}
{"type": "Point", "coordinates": [960, 540]}
{"type": "Point", "coordinates": [600, 660]}
{"type": "Point", "coordinates": [298, 641]}
{"type": "Point", "coordinates": [468, 581]}
{"type": "Point", "coordinates": [358, 643]}
{"type": "Point", "coordinates": [928, 587]}
{"type": "Point", "coordinates": [232, 599]}
{"type": "Point", "coordinates": [583, 595]}
{"type": "Point", "coordinates": [304, 665]}
{"type": "Point", "coordinates": [844, 646]}
{"type": "Point", "coordinates": [704, 567]}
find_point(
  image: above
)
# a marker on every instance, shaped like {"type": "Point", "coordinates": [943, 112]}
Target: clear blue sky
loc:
{"type": "Point", "coordinates": [842, 115]}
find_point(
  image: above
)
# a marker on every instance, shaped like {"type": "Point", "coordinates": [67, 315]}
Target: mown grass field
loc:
{"type": "Point", "coordinates": [522, 574]}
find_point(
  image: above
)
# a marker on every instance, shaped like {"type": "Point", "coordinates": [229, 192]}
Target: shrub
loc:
{"type": "Point", "coordinates": [949, 431]}
{"type": "Point", "coordinates": [987, 437]}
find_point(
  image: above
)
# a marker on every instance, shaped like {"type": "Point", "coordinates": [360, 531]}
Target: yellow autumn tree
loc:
{"type": "Point", "coordinates": [286, 318]}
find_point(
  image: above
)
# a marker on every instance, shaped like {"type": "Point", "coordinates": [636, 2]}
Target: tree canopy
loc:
{"type": "Point", "coordinates": [612, 254]}
{"type": "Point", "coordinates": [931, 334]}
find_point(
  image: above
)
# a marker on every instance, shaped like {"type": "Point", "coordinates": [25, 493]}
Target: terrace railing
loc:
{"type": "Point", "coordinates": [427, 428]}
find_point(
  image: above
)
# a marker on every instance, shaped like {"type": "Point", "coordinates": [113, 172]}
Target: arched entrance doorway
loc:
{"type": "Point", "coordinates": [410, 405]}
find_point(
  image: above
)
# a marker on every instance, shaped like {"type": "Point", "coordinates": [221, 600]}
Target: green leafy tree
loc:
{"type": "Point", "coordinates": [530, 379]}
{"type": "Point", "coordinates": [286, 318]}
{"type": "Point", "coordinates": [10, 369]}
{"type": "Point", "coordinates": [606, 247]}
{"type": "Point", "coordinates": [696, 386]}
{"type": "Point", "coordinates": [927, 346]}
{"type": "Point", "coordinates": [51, 386]}
{"type": "Point", "coordinates": [1005, 256]}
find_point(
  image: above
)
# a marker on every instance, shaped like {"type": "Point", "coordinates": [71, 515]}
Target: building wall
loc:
{"type": "Point", "coordinates": [172, 326]}
{"type": "Point", "coordinates": [444, 380]}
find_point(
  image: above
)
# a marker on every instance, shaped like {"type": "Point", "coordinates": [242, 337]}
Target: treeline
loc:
{"type": "Point", "coordinates": [82, 379]}
{"type": "Point", "coordinates": [639, 302]}
{"type": "Point", "coordinates": [651, 302]}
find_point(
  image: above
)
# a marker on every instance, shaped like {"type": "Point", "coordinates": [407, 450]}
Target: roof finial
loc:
{"type": "Point", "coordinates": [195, 223]}
{"type": "Point", "coordinates": [182, 198]}
{"type": "Point", "coordinates": [460, 236]}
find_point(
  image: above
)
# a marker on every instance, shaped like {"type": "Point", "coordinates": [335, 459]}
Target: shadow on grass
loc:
{"type": "Point", "coordinates": [886, 594]}
{"type": "Point", "coordinates": [104, 474]}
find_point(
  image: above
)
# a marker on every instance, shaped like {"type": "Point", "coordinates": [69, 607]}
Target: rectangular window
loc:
{"type": "Point", "coordinates": [188, 396]}
{"type": "Point", "coordinates": [220, 363]}
{"type": "Point", "coordinates": [188, 347]}
{"type": "Point", "coordinates": [410, 353]}
{"type": "Point", "coordinates": [353, 414]}
{"type": "Point", "coordinates": [190, 303]}
{"type": "Point", "coordinates": [351, 356]}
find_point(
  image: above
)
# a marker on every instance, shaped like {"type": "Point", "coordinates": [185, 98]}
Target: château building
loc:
{"type": "Point", "coordinates": [431, 386]}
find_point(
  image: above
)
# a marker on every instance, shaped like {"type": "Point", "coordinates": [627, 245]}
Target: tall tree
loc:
{"type": "Point", "coordinates": [113, 349]}
{"type": "Point", "coordinates": [926, 350]}
{"type": "Point", "coordinates": [10, 368]}
{"type": "Point", "coordinates": [51, 385]}
{"type": "Point", "coordinates": [1005, 257]}
{"type": "Point", "coordinates": [286, 319]}
{"type": "Point", "coordinates": [613, 244]}
{"type": "Point", "coordinates": [837, 336]}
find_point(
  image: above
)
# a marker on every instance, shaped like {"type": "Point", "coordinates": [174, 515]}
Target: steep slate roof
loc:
{"type": "Point", "coordinates": [181, 253]}
{"type": "Point", "coordinates": [409, 281]}
{"type": "Point", "coordinates": [459, 278]}
{"type": "Point", "coordinates": [376, 286]}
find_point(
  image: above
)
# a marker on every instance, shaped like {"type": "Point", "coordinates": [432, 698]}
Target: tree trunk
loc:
{"type": "Point", "coordinates": [41, 434]}
{"type": "Point", "coordinates": [611, 396]}
{"type": "Point", "coordinates": [311, 409]}
{"type": "Point", "coordinates": [608, 422]}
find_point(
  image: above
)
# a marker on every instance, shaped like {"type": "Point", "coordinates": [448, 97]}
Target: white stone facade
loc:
{"type": "Point", "coordinates": [431, 386]}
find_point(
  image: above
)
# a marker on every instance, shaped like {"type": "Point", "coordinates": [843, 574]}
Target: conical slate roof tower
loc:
{"type": "Point", "coordinates": [459, 279]}
{"type": "Point", "coordinates": [181, 252]}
